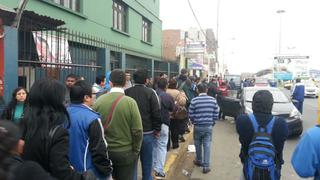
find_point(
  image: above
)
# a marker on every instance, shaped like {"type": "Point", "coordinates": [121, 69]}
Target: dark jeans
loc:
{"type": "Point", "coordinates": [123, 164]}
{"type": "Point", "coordinates": [299, 106]}
{"type": "Point", "coordinates": [177, 127]}
{"type": "Point", "coordinates": [146, 154]}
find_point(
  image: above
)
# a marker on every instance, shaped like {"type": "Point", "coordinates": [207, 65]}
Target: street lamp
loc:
{"type": "Point", "coordinates": [217, 37]}
{"type": "Point", "coordinates": [280, 12]}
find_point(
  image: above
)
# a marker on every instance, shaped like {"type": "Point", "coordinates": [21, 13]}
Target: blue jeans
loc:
{"type": "Point", "coordinates": [146, 157]}
{"type": "Point", "coordinates": [202, 136]}
{"type": "Point", "coordinates": [160, 149]}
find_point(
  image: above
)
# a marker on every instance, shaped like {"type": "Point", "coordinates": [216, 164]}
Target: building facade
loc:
{"type": "Point", "coordinates": [59, 37]}
{"type": "Point", "coordinates": [194, 49]}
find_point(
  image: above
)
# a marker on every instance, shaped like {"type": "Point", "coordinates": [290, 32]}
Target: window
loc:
{"type": "Point", "coordinates": [146, 30]}
{"type": "Point", "coordinates": [70, 4]}
{"type": "Point", "coordinates": [119, 16]}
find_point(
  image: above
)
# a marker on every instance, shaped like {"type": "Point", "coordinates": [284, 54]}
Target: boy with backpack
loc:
{"type": "Point", "coordinates": [262, 137]}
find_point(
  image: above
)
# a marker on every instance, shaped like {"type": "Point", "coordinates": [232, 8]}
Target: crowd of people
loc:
{"type": "Point", "coordinates": [80, 131]}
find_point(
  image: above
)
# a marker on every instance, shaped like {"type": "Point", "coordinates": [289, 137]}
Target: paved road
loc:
{"type": "Point", "coordinates": [225, 149]}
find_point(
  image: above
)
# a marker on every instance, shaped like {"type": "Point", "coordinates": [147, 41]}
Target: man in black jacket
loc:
{"type": "Point", "coordinates": [262, 107]}
{"type": "Point", "coordinates": [149, 108]}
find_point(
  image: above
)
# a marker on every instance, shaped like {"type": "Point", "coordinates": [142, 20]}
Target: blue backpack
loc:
{"type": "Point", "coordinates": [260, 163]}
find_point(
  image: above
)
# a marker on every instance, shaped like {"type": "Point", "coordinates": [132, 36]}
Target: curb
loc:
{"type": "Point", "coordinates": [174, 156]}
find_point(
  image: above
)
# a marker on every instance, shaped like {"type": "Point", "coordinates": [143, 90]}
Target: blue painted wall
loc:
{"type": "Point", "coordinates": [10, 61]}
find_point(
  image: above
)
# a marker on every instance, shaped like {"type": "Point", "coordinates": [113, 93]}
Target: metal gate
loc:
{"type": "Point", "coordinates": [48, 51]}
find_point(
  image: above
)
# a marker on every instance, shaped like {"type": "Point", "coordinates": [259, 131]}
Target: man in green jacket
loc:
{"type": "Point", "coordinates": [123, 128]}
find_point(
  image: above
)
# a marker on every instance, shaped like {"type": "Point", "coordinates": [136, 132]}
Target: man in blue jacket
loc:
{"type": "Point", "coordinates": [306, 157]}
{"type": "Point", "coordinates": [87, 145]}
{"type": "Point", "coordinates": [298, 94]}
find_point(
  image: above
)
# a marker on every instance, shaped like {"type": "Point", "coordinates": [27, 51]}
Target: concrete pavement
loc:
{"type": "Point", "coordinates": [225, 162]}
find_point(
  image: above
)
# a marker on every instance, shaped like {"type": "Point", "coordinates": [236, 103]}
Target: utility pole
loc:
{"type": "Point", "coordinates": [217, 38]}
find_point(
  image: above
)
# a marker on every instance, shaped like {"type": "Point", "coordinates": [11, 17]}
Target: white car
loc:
{"type": "Point", "coordinates": [310, 89]}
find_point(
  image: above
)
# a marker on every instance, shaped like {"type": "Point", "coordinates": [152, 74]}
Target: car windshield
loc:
{"type": "Point", "coordinates": [309, 84]}
{"type": "Point", "coordinates": [278, 96]}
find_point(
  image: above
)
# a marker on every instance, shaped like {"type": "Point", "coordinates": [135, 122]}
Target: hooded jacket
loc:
{"type": "Point", "coordinates": [262, 107]}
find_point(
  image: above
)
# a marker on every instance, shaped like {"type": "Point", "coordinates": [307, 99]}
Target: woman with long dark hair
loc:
{"type": "Point", "coordinates": [16, 107]}
{"type": "Point", "coordinates": [45, 134]}
{"type": "Point", "coordinates": [12, 167]}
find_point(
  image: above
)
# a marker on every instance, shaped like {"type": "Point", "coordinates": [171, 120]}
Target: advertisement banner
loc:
{"type": "Point", "coordinates": [52, 49]}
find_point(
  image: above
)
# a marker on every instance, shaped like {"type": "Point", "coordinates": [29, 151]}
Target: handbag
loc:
{"type": "Point", "coordinates": [179, 112]}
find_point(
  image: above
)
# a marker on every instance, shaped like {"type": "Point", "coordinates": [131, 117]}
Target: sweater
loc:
{"type": "Point", "coordinates": [306, 157]}
{"type": "Point", "coordinates": [124, 132]}
{"type": "Point", "coordinates": [203, 110]}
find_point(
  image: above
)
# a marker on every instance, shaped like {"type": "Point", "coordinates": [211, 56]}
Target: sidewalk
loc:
{"type": "Point", "coordinates": [173, 157]}
{"type": "Point", "coordinates": [225, 139]}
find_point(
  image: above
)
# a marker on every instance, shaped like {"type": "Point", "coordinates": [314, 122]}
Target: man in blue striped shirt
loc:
{"type": "Point", "coordinates": [203, 111]}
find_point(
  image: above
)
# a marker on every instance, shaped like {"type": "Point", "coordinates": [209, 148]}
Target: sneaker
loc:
{"type": "Point", "coordinates": [206, 170]}
{"type": "Point", "coordinates": [159, 175]}
{"type": "Point", "coordinates": [197, 163]}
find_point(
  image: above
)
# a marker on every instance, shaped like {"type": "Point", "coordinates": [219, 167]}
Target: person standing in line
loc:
{"type": "Point", "coordinates": [70, 80]}
{"type": "Point", "coordinates": [122, 125]}
{"type": "Point", "coordinates": [298, 94]}
{"type": "Point", "coordinates": [128, 80]}
{"type": "Point", "coordinates": [16, 107]}
{"type": "Point", "coordinates": [247, 128]}
{"type": "Point", "coordinates": [160, 144]}
{"type": "Point", "coordinates": [45, 133]}
{"type": "Point", "coordinates": [203, 113]}
{"type": "Point", "coordinates": [88, 147]}
{"type": "Point", "coordinates": [176, 126]}
{"type": "Point", "coordinates": [98, 87]}
{"type": "Point", "coordinates": [149, 108]}
{"type": "Point", "coordinates": [12, 167]}
{"type": "Point", "coordinates": [306, 156]}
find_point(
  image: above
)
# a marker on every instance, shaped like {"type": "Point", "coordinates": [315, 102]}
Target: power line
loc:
{"type": "Point", "coordinates": [195, 17]}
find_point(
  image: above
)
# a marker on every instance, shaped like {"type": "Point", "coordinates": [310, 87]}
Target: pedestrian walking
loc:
{"type": "Point", "coordinates": [16, 107]}
{"type": "Point", "coordinates": [122, 125]}
{"type": "Point", "coordinates": [177, 126]}
{"type": "Point", "coordinates": [306, 156]}
{"type": "Point", "coordinates": [69, 82]}
{"type": "Point", "coordinates": [44, 132]}
{"type": "Point", "coordinates": [298, 95]}
{"type": "Point", "coordinates": [12, 167]}
{"type": "Point", "coordinates": [203, 112]}
{"type": "Point", "coordinates": [160, 144]}
{"type": "Point", "coordinates": [87, 144]}
{"type": "Point", "coordinates": [262, 137]}
{"type": "Point", "coordinates": [149, 108]}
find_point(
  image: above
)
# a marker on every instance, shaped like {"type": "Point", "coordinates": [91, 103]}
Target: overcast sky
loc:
{"type": "Point", "coordinates": [249, 29]}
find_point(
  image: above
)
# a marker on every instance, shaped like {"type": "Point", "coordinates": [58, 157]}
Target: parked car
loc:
{"type": "Point", "coordinates": [282, 107]}
{"type": "Point", "coordinates": [261, 82]}
{"type": "Point", "coordinates": [310, 89]}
